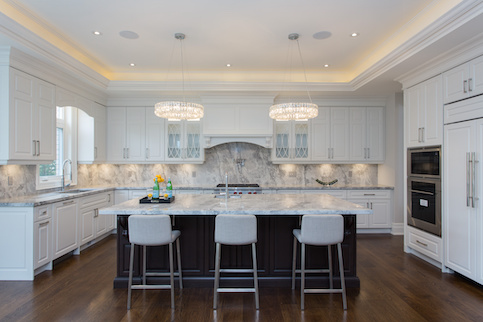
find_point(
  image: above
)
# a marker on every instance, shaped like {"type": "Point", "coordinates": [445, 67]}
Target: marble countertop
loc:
{"type": "Point", "coordinates": [268, 204]}
{"type": "Point", "coordinates": [52, 197]}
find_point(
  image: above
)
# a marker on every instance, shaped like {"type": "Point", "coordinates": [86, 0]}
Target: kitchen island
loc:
{"type": "Point", "coordinates": [277, 215]}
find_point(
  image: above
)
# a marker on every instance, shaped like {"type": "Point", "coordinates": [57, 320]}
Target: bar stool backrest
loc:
{"type": "Point", "coordinates": [150, 230]}
{"type": "Point", "coordinates": [235, 229]}
{"type": "Point", "coordinates": [322, 229]}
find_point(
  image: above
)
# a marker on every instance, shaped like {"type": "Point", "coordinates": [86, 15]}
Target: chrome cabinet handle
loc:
{"type": "Point", "coordinates": [421, 243]}
{"type": "Point", "coordinates": [38, 150]}
{"type": "Point", "coordinates": [45, 223]}
{"type": "Point", "coordinates": [473, 179]}
{"type": "Point", "coordinates": [127, 153]}
{"type": "Point", "coordinates": [468, 179]}
{"type": "Point", "coordinates": [147, 153]}
{"type": "Point", "coordinates": [470, 80]}
{"type": "Point", "coordinates": [465, 85]}
{"type": "Point", "coordinates": [368, 153]}
{"type": "Point", "coordinates": [68, 202]}
{"type": "Point", "coordinates": [34, 148]}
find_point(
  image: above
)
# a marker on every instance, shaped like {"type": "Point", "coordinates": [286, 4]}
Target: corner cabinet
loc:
{"type": "Point", "coordinates": [463, 81]}
{"type": "Point", "coordinates": [291, 141]}
{"type": "Point", "coordinates": [28, 120]}
{"type": "Point", "coordinates": [424, 113]}
{"type": "Point", "coordinates": [183, 142]}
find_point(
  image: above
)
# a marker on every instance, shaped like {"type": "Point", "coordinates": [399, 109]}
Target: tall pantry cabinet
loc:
{"type": "Point", "coordinates": [462, 187]}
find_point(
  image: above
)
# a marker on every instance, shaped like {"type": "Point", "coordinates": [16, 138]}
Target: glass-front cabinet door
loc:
{"type": "Point", "coordinates": [291, 141]}
{"type": "Point", "coordinates": [184, 141]}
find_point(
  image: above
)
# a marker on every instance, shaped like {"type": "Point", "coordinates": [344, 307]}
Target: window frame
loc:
{"type": "Point", "coordinates": [67, 120]}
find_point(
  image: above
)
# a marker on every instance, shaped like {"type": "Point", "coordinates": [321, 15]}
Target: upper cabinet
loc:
{"type": "Point", "coordinates": [463, 81]}
{"type": "Point", "coordinates": [330, 135]}
{"type": "Point", "coordinates": [291, 141]}
{"type": "Point", "coordinates": [28, 119]}
{"type": "Point", "coordinates": [424, 113]}
{"type": "Point", "coordinates": [126, 132]}
{"type": "Point", "coordinates": [183, 142]}
{"type": "Point", "coordinates": [367, 134]}
{"type": "Point", "coordinates": [92, 135]}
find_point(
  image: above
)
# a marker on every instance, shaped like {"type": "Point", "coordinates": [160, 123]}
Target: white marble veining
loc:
{"type": "Point", "coordinates": [281, 204]}
{"type": "Point", "coordinates": [220, 159]}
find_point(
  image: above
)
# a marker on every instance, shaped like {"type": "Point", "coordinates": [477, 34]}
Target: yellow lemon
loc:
{"type": "Point", "coordinates": [165, 196]}
{"type": "Point", "coordinates": [150, 195]}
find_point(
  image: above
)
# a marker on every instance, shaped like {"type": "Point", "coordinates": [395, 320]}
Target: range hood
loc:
{"type": "Point", "coordinates": [230, 119]}
{"type": "Point", "coordinates": [261, 140]}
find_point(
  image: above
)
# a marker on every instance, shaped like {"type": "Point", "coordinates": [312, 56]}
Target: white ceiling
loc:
{"type": "Point", "coordinates": [251, 35]}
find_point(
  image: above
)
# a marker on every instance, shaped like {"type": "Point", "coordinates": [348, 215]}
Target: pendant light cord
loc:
{"type": "Point", "coordinates": [305, 74]}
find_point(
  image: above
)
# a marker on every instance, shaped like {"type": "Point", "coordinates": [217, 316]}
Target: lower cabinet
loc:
{"type": "Point", "coordinates": [380, 201]}
{"type": "Point", "coordinates": [65, 233]}
{"type": "Point", "coordinates": [42, 236]}
{"type": "Point", "coordinates": [91, 224]}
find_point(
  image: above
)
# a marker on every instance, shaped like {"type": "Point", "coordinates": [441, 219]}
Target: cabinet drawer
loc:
{"type": "Point", "coordinates": [368, 194]}
{"type": "Point", "coordinates": [425, 244]}
{"type": "Point", "coordinates": [336, 193]}
{"type": "Point", "coordinates": [95, 201]}
{"type": "Point", "coordinates": [42, 213]}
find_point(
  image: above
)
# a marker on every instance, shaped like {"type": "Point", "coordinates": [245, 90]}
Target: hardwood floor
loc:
{"type": "Point", "coordinates": [394, 287]}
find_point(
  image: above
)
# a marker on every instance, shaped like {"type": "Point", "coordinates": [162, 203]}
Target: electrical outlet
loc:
{"type": "Point", "coordinates": [193, 174]}
{"type": "Point", "coordinates": [292, 174]}
{"type": "Point", "coordinates": [10, 181]}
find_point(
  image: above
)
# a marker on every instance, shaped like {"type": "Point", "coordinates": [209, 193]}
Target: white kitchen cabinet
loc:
{"type": "Point", "coordinates": [380, 201]}
{"type": "Point", "coordinates": [91, 224]}
{"type": "Point", "coordinates": [291, 142]}
{"type": "Point", "coordinates": [120, 196]}
{"type": "Point", "coordinates": [342, 194]}
{"type": "Point", "coordinates": [462, 193]}
{"type": "Point", "coordinates": [92, 135]}
{"type": "Point", "coordinates": [367, 134]}
{"type": "Point", "coordinates": [330, 135]}
{"type": "Point", "coordinates": [155, 136]}
{"type": "Point", "coordinates": [126, 134]}
{"type": "Point", "coordinates": [42, 236]}
{"type": "Point", "coordinates": [424, 113]}
{"type": "Point", "coordinates": [65, 229]}
{"type": "Point", "coordinates": [463, 81]}
{"type": "Point", "coordinates": [28, 125]}
{"type": "Point", "coordinates": [184, 142]}
{"type": "Point", "coordinates": [427, 244]}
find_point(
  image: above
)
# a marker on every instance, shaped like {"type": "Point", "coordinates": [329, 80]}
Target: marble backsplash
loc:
{"type": "Point", "coordinates": [244, 163]}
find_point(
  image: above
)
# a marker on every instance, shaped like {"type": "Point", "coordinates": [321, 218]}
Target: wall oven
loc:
{"type": "Point", "coordinates": [424, 189]}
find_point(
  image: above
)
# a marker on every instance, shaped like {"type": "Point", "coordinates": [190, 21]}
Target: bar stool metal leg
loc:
{"type": "Point", "coordinates": [342, 278]}
{"type": "Point", "coordinates": [331, 273]}
{"type": "Point", "coordinates": [217, 275]}
{"type": "Point", "coordinates": [144, 264]}
{"type": "Point", "coordinates": [255, 275]}
{"type": "Point", "coordinates": [302, 276]}
{"type": "Point", "coordinates": [294, 261]}
{"type": "Point", "coordinates": [129, 286]}
{"type": "Point", "coordinates": [178, 255]}
{"type": "Point", "coordinates": [171, 273]}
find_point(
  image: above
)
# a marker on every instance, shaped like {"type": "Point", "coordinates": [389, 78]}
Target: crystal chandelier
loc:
{"type": "Point", "coordinates": [179, 110]}
{"type": "Point", "coordinates": [295, 111]}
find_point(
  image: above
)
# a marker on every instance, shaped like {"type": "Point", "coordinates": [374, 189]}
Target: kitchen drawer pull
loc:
{"type": "Point", "coordinates": [45, 223]}
{"type": "Point", "coordinates": [423, 192]}
{"type": "Point", "coordinates": [34, 147]}
{"type": "Point", "coordinates": [44, 213]}
{"type": "Point", "coordinates": [68, 202]}
{"type": "Point", "coordinates": [421, 243]}
{"type": "Point", "coordinates": [369, 194]}
{"type": "Point", "coordinates": [38, 150]}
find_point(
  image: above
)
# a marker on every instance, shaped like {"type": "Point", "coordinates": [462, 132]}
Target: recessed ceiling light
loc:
{"type": "Point", "coordinates": [228, 65]}
{"type": "Point", "coordinates": [326, 65]}
{"type": "Point", "coordinates": [132, 64]}
{"type": "Point", "coordinates": [354, 34]}
{"type": "Point", "coordinates": [97, 33]}
{"type": "Point", "coordinates": [129, 34]}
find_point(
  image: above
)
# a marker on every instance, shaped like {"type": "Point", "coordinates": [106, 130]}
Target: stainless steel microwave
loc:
{"type": "Point", "coordinates": [424, 162]}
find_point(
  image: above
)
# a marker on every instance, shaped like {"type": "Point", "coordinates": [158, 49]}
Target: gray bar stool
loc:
{"type": "Point", "coordinates": [319, 230]}
{"type": "Point", "coordinates": [153, 230]}
{"type": "Point", "coordinates": [235, 230]}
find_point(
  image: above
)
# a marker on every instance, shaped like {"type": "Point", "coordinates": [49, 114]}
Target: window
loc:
{"type": "Point", "coordinates": [50, 175]}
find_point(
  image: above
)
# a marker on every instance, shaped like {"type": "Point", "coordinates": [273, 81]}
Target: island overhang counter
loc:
{"type": "Point", "coordinates": [277, 215]}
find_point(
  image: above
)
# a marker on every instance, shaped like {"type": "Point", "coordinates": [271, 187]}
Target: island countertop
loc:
{"type": "Point", "coordinates": [260, 204]}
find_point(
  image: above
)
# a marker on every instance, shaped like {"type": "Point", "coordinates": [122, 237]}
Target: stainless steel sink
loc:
{"type": "Point", "coordinates": [73, 191]}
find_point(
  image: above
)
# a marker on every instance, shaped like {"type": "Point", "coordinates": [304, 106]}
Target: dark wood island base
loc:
{"type": "Point", "coordinates": [274, 252]}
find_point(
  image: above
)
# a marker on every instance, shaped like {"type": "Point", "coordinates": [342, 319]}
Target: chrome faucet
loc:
{"type": "Point", "coordinates": [63, 173]}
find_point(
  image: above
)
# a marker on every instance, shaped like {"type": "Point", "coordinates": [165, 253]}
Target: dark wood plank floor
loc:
{"type": "Point", "coordinates": [394, 287]}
